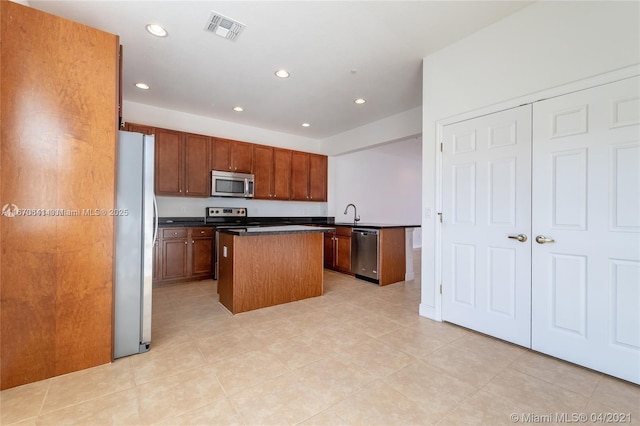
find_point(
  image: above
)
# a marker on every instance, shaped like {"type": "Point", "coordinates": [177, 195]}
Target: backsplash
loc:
{"type": "Point", "coordinates": [196, 207]}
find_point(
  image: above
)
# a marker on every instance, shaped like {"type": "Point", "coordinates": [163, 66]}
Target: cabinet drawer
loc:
{"type": "Point", "coordinates": [201, 232]}
{"type": "Point", "coordinates": [344, 231]}
{"type": "Point", "coordinates": [170, 233]}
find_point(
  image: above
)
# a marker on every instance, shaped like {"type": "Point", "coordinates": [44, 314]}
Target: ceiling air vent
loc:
{"type": "Point", "coordinates": [224, 27]}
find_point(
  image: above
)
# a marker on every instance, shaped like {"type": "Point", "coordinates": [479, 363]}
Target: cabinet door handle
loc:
{"type": "Point", "coordinates": [185, 243]}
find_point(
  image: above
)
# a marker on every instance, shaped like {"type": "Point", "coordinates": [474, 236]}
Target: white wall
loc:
{"type": "Point", "coordinates": [176, 120]}
{"type": "Point", "coordinates": [195, 207]}
{"type": "Point", "coordinates": [545, 45]}
{"type": "Point", "coordinates": [396, 127]}
{"type": "Point", "coordinates": [384, 183]}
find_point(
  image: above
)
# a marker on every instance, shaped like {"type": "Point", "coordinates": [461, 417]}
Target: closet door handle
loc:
{"type": "Point", "coordinates": [541, 239]}
{"type": "Point", "coordinates": [520, 237]}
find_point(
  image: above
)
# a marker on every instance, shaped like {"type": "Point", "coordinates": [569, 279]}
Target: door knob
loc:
{"type": "Point", "coordinates": [520, 237]}
{"type": "Point", "coordinates": [541, 239]}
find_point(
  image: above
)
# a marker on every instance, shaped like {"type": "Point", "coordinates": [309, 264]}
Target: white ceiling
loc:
{"type": "Point", "coordinates": [336, 51]}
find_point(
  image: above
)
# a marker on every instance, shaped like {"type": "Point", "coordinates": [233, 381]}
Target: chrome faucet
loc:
{"type": "Point", "coordinates": [356, 218]}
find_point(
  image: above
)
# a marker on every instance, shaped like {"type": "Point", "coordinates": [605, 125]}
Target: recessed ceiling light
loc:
{"type": "Point", "coordinates": [156, 30]}
{"type": "Point", "coordinates": [282, 73]}
{"type": "Point", "coordinates": [238, 109]}
{"type": "Point", "coordinates": [306, 124]}
{"type": "Point", "coordinates": [360, 101]}
{"type": "Point", "coordinates": [142, 86]}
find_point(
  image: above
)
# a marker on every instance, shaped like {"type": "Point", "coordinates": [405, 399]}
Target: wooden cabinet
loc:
{"type": "Point", "coordinates": [317, 177]}
{"type": "Point", "coordinates": [169, 163]}
{"type": "Point", "coordinates": [329, 250]}
{"type": "Point", "coordinates": [138, 128]}
{"type": "Point", "coordinates": [231, 156]}
{"type": "Point", "coordinates": [272, 172]}
{"type": "Point", "coordinates": [299, 176]}
{"type": "Point", "coordinates": [174, 253]}
{"type": "Point", "coordinates": [201, 252]}
{"type": "Point", "coordinates": [183, 164]}
{"type": "Point", "coordinates": [337, 249]}
{"type": "Point", "coordinates": [196, 167]}
{"type": "Point", "coordinates": [308, 177]}
{"type": "Point", "coordinates": [343, 253]}
{"type": "Point", "coordinates": [266, 270]}
{"type": "Point", "coordinates": [263, 172]}
{"type": "Point", "coordinates": [181, 161]}
{"type": "Point", "coordinates": [392, 256]}
{"type": "Point", "coordinates": [281, 174]}
{"type": "Point", "coordinates": [185, 254]}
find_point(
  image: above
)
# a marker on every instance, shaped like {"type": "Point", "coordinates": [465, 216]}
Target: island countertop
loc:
{"type": "Point", "coordinates": [275, 230]}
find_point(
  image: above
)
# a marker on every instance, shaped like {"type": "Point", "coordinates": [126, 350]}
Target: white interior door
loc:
{"type": "Point", "coordinates": [586, 197]}
{"type": "Point", "coordinates": [486, 202]}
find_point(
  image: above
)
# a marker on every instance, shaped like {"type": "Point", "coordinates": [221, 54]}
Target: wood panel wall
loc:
{"type": "Point", "coordinates": [57, 151]}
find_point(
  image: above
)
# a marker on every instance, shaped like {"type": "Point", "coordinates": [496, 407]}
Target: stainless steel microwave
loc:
{"type": "Point", "coordinates": [229, 184]}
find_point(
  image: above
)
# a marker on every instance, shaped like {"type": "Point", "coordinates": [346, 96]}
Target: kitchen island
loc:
{"type": "Point", "coordinates": [266, 266]}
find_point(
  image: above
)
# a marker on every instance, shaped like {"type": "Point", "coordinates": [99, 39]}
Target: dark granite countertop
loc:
{"type": "Point", "coordinates": [374, 225]}
{"type": "Point", "coordinates": [275, 230]}
{"type": "Point", "coordinates": [168, 222]}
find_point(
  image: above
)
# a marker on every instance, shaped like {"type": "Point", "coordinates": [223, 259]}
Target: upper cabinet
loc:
{"type": "Point", "coordinates": [169, 163]}
{"type": "Point", "coordinates": [308, 176]}
{"type": "Point", "coordinates": [299, 176]}
{"type": "Point", "coordinates": [317, 177]}
{"type": "Point", "coordinates": [197, 151]}
{"type": "Point", "coordinates": [281, 174]}
{"type": "Point", "coordinates": [138, 128]}
{"type": "Point", "coordinates": [263, 172]}
{"type": "Point", "coordinates": [181, 161]}
{"type": "Point", "coordinates": [183, 164]}
{"type": "Point", "coordinates": [272, 172]}
{"type": "Point", "coordinates": [232, 156]}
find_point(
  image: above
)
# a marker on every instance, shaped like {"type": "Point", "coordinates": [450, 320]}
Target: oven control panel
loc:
{"type": "Point", "coordinates": [226, 212]}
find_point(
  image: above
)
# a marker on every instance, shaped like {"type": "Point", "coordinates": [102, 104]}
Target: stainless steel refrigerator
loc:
{"type": "Point", "coordinates": [136, 229]}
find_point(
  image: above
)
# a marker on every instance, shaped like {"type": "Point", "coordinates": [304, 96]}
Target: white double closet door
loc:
{"type": "Point", "coordinates": [541, 230]}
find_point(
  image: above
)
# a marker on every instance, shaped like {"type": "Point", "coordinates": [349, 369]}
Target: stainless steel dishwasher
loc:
{"type": "Point", "coordinates": [365, 254]}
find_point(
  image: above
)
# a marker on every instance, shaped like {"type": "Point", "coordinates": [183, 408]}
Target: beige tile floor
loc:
{"type": "Point", "coordinates": [359, 355]}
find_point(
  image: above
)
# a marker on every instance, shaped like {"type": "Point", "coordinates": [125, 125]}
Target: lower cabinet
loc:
{"type": "Point", "coordinates": [183, 254]}
{"type": "Point", "coordinates": [201, 253]}
{"type": "Point", "coordinates": [337, 249]}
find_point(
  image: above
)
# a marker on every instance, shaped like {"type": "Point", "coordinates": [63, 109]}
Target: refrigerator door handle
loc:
{"type": "Point", "coordinates": [150, 210]}
{"type": "Point", "coordinates": [155, 215]}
